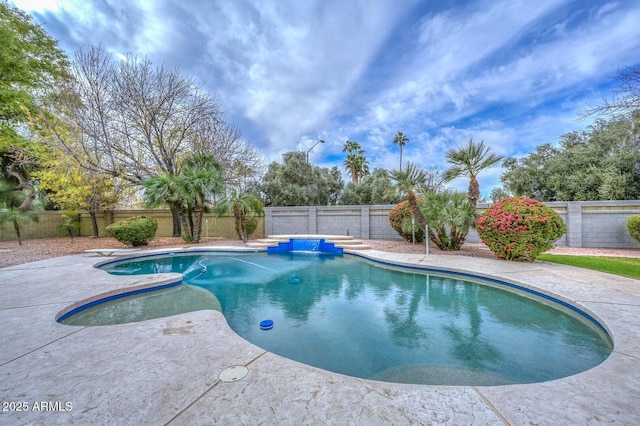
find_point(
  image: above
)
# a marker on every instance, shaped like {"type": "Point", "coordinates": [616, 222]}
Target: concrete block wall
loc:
{"type": "Point", "coordinates": [47, 225]}
{"type": "Point", "coordinates": [367, 222]}
{"type": "Point", "coordinates": [593, 224]}
{"type": "Point", "coordinates": [604, 225]}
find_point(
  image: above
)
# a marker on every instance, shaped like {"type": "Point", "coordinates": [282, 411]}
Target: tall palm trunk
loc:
{"type": "Point", "coordinates": [241, 223]}
{"type": "Point", "coordinates": [16, 226]}
{"type": "Point", "coordinates": [415, 211]}
{"type": "Point", "coordinates": [474, 191]}
{"type": "Point", "coordinates": [175, 218]}
{"type": "Point", "coordinates": [198, 211]}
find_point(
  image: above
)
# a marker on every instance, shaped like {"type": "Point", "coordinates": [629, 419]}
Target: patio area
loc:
{"type": "Point", "coordinates": [166, 371]}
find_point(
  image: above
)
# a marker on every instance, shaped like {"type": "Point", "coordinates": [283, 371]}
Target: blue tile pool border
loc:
{"type": "Point", "coordinates": [118, 296]}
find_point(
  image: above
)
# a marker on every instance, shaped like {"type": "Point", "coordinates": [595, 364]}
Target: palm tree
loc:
{"type": "Point", "coordinates": [469, 160]}
{"type": "Point", "coordinates": [240, 204]}
{"type": "Point", "coordinates": [199, 177]}
{"type": "Point", "coordinates": [69, 224]}
{"type": "Point", "coordinates": [165, 188]}
{"type": "Point", "coordinates": [406, 183]}
{"type": "Point", "coordinates": [450, 216]}
{"type": "Point", "coordinates": [355, 163]}
{"type": "Point", "coordinates": [400, 139]}
{"type": "Point", "coordinates": [19, 218]}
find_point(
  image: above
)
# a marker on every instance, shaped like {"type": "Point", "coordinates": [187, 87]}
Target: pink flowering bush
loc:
{"type": "Point", "coordinates": [519, 228]}
{"type": "Point", "coordinates": [400, 220]}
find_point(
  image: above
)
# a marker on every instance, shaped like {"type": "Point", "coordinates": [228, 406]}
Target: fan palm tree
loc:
{"type": "Point", "coordinates": [450, 216]}
{"type": "Point", "coordinates": [69, 224]}
{"type": "Point", "coordinates": [18, 217]}
{"type": "Point", "coordinates": [400, 139]}
{"type": "Point", "coordinates": [241, 205]}
{"type": "Point", "coordinates": [469, 160]}
{"type": "Point", "coordinates": [199, 177]}
{"type": "Point", "coordinates": [355, 163]}
{"type": "Point", "coordinates": [165, 188]}
{"type": "Point", "coordinates": [406, 182]}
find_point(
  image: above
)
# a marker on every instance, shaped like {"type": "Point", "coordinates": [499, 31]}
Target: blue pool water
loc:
{"type": "Point", "coordinates": [363, 319]}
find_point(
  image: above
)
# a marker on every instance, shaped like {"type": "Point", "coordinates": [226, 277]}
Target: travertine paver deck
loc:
{"type": "Point", "coordinates": [166, 370]}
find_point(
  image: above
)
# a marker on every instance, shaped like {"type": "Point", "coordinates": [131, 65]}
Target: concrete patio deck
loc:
{"type": "Point", "coordinates": [166, 371]}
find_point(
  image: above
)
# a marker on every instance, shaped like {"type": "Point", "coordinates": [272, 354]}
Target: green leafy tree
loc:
{"type": "Point", "coordinates": [356, 163]}
{"type": "Point", "coordinates": [469, 160]}
{"type": "Point", "coordinates": [73, 188]}
{"type": "Point", "coordinates": [400, 139]}
{"type": "Point", "coordinates": [30, 65]}
{"type": "Point", "coordinates": [372, 189]}
{"type": "Point", "coordinates": [406, 182]}
{"type": "Point", "coordinates": [498, 193]}
{"type": "Point", "coordinates": [601, 163]}
{"type": "Point", "coordinates": [242, 206]}
{"type": "Point", "coordinates": [294, 182]}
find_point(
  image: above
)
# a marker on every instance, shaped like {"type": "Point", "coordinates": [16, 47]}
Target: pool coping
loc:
{"type": "Point", "coordinates": [166, 370]}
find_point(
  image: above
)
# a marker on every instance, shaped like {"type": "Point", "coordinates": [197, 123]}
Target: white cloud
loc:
{"type": "Point", "coordinates": [512, 73]}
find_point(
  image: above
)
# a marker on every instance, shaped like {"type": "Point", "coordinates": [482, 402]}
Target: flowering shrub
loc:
{"type": "Point", "coordinates": [400, 220]}
{"type": "Point", "coordinates": [519, 228]}
{"type": "Point", "coordinates": [633, 226]}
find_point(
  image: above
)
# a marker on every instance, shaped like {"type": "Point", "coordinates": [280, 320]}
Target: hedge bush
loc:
{"type": "Point", "coordinates": [400, 220]}
{"type": "Point", "coordinates": [633, 226]}
{"type": "Point", "coordinates": [134, 231]}
{"type": "Point", "coordinates": [252, 225]}
{"type": "Point", "coordinates": [519, 228]}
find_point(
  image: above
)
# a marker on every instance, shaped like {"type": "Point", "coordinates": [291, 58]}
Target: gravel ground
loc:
{"type": "Point", "coordinates": [11, 253]}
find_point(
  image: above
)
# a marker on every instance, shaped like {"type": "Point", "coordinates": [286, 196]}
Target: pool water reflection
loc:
{"type": "Point", "coordinates": [362, 319]}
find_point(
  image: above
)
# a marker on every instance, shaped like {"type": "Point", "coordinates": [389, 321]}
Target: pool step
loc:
{"type": "Point", "coordinates": [354, 246]}
{"type": "Point", "coordinates": [346, 242]}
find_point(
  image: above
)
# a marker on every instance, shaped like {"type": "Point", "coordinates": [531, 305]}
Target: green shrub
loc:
{"type": "Point", "coordinates": [400, 220]}
{"type": "Point", "coordinates": [633, 226]}
{"type": "Point", "coordinates": [251, 224]}
{"type": "Point", "coordinates": [449, 216]}
{"type": "Point", "coordinates": [519, 228]}
{"type": "Point", "coordinates": [134, 231]}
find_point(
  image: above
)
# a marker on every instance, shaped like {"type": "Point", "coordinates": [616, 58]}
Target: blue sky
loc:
{"type": "Point", "coordinates": [514, 73]}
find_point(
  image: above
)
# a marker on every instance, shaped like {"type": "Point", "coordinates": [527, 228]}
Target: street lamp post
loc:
{"type": "Point", "coordinates": [314, 145]}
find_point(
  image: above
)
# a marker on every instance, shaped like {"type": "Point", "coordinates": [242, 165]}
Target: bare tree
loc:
{"type": "Point", "coordinates": [240, 161]}
{"type": "Point", "coordinates": [133, 120]}
{"type": "Point", "coordinates": [625, 100]}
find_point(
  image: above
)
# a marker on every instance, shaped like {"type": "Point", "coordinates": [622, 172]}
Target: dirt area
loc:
{"type": "Point", "coordinates": [11, 253]}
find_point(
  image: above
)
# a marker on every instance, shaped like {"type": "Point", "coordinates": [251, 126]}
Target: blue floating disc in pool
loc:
{"type": "Point", "coordinates": [295, 280]}
{"type": "Point", "coordinates": [266, 324]}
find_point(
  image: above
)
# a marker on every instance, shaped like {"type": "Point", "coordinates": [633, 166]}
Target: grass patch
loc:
{"type": "Point", "coordinates": [623, 266]}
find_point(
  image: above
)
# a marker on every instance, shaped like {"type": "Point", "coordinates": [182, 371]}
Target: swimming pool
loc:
{"type": "Point", "coordinates": [375, 321]}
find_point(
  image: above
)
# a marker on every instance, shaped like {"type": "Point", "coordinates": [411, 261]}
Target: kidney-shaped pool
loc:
{"type": "Point", "coordinates": [370, 320]}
